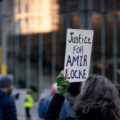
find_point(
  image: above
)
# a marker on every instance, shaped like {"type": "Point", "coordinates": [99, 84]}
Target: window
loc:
{"type": "Point", "coordinates": [96, 21]}
{"type": "Point", "coordinates": [109, 38]}
{"type": "Point", "coordinates": [97, 5]}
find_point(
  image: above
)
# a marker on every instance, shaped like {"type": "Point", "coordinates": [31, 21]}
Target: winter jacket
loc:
{"type": "Point", "coordinates": [28, 101]}
{"type": "Point", "coordinates": [7, 107]}
{"type": "Point", "coordinates": [66, 109]}
{"type": "Point", "coordinates": [95, 113]}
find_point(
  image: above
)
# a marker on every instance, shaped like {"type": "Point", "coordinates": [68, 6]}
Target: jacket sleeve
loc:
{"type": "Point", "coordinates": [55, 107]}
{"type": "Point", "coordinates": [1, 114]}
{"type": "Point", "coordinates": [11, 111]}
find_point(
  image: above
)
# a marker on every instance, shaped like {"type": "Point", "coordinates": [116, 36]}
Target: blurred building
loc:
{"type": "Point", "coordinates": [35, 16]}
{"type": "Point", "coordinates": [36, 34]}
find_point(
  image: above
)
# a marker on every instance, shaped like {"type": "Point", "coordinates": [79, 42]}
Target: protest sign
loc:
{"type": "Point", "coordinates": [78, 54]}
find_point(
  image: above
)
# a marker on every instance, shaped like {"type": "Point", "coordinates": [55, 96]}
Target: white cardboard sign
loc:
{"type": "Point", "coordinates": [78, 54]}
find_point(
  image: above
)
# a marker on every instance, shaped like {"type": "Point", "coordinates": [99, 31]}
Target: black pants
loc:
{"type": "Point", "coordinates": [28, 116]}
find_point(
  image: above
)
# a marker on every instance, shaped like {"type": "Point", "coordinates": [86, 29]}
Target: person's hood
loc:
{"type": "Point", "coordinates": [3, 94]}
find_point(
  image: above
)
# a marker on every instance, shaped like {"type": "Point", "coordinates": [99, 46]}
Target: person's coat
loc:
{"type": "Point", "coordinates": [7, 107]}
{"type": "Point", "coordinates": [91, 113]}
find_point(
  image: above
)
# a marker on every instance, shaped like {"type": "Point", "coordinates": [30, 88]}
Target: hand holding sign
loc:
{"type": "Point", "coordinates": [78, 54]}
{"type": "Point", "coordinates": [66, 76]}
{"type": "Point", "coordinates": [62, 83]}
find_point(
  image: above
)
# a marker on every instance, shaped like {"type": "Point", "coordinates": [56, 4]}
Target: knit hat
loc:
{"type": "Point", "coordinates": [5, 81]}
{"type": "Point", "coordinates": [53, 88]}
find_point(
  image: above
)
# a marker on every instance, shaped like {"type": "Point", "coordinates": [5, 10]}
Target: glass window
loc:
{"type": "Point", "coordinates": [60, 45]}
{"type": "Point", "coordinates": [109, 71]}
{"type": "Point", "coordinates": [109, 4]}
{"type": "Point", "coordinates": [97, 5]}
{"type": "Point", "coordinates": [22, 61]}
{"type": "Point", "coordinates": [75, 22]}
{"type": "Point", "coordinates": [9, 8]}
{"type": "Point", "coordinates": [74, 5]}
{"type": "Point", "coordinates": [109, 48]}
{"type": "Point", "coordinates": [109, 38]}
{"type": "Point", "coordinates": [10, 55]}
{"type": "Point", "coordinates": [96, 50]}
{"type": "Point", "coordinates": [119, 39]}
{"type": "Point", "coordinates": [69, 5]}
{"type": "Point", "coordinates": [97, 69]}
{"type": "Point", "coordinates": [19, 6]}
{"type": "Point", "coordinates": [34, 60]}
{"type": "Point", "coordinates": [62, 4]}
{"type": "Point", "coordinates": [47, 56]}
{"type": "Point", "coordinates": [118, 7]}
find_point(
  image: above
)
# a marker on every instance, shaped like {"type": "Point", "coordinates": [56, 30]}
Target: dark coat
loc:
{"type": "Point", "coordinates": [96, 113]}
{"type": "Point", "coordinates": [7, 107]}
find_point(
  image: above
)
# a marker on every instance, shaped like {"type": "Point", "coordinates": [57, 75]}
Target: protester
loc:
{"type": "Point", "coordinates": [7, 105]}
{"type": "Point", "coordinates": [72, 92]}
{"type": "Point", "coordinates": [98, 100]}
{"type": "Point", "coordinates": [28, 104]}
{"type": "Point", "coordinates": [45, 94]}
{"type": "Point", "coordinates": [44, 103]}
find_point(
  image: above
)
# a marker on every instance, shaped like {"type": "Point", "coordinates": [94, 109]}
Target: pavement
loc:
{"type": "Point", "coordinates": [34, 113]}
{"type": "Point", "coordinates": [20, 106]}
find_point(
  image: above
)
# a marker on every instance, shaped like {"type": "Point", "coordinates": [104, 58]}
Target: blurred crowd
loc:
{"type": "Point", "coordinates": [96, 91]}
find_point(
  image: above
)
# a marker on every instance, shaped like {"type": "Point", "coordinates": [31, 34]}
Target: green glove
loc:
{"type": "Point", "coordinates": [62, 84]}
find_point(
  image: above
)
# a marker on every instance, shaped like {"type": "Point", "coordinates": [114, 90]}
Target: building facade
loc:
{"type": "Point", "coordinates": [34, 58]}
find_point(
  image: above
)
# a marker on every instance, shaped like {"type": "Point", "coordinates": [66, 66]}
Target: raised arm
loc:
{"type": "Point", "coordinates": [58, 99]}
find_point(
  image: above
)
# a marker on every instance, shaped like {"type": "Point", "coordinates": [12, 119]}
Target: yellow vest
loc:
{"type": "Point", "coordinates": [28, 101]}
